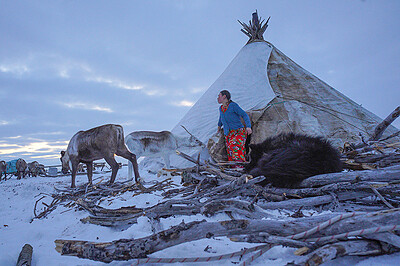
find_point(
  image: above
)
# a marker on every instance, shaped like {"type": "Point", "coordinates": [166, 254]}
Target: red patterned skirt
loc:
{"type": "Point", "coordinates": [235, 145]}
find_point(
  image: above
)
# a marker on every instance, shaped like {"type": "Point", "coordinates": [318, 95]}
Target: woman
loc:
{"type": "Point", "coordinates": [235, 132]}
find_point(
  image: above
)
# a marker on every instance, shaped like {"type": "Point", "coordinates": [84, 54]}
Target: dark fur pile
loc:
{"type": "Point", "coordinates": [287, 159]}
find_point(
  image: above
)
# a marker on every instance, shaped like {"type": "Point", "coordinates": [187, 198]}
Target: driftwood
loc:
{"type": "Point", "coordinates": [92, 194]}
{"type": "Point", "coordinates": [219, 199]}
{"type": "Point", "coordinates": [380, 175]}
{"type": "Point", "coordinates": [255, 29]}
{"type": "Point", "coordinates": [344, 248]}
{"type": "Point", "coordinates": [294, 204]}
{"type": "Point", "coordinates": [384, 124]}
{"type": "Point", "coordinates": [214, 189]}
{"type": "Point", "coordinates": [140, 248]}
{"type": "Point", "coordinates": [25, 256]}
{"type": "Point", "coordinates": [126, 249]}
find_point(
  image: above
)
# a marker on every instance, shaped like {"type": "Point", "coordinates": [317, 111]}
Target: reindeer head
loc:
{"type": "Point", "coordinates": [193, 141]}
{"type": "Point", "coordinates": [65, 162]}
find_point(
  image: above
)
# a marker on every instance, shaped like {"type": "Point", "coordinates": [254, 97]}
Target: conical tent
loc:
{"type": "Point", "coordinates": [279, 96]}
{"type": "Point", "coordinates": [245, 78]}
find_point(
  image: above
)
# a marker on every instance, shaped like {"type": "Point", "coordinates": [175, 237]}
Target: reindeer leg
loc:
{"type": "Point", "coordinates": [135, 167]}
{"type": "Point", "coordinates": [73, 173]}
{"type": "Point", "coordinates": [89, 168]}
{"type": "Point", "coordinates": [114, 166]}
{"type": "Point", "coordinates": [132, 158]}
{"type": "Point", "coordinates": [167, 163]}
{"type": "Point", "coordinates": [130, 170]}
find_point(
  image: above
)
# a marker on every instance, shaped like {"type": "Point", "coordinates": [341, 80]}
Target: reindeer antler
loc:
{"type": "Point", "coordinates": [192, 135]}
{"type": "Point", "coordinates": [187, 130]}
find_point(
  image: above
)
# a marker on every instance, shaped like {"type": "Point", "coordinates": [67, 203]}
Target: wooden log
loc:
{"type": "Point", "coordinates": [391, 136]}
{"type": "Point", "coordinates": [379, 175]}
{"type": "Point", "coordinates": [244, 208]}
{"type": "Point", "coordinates": [344, 248]}
{"type": "Point", "coordinates": [126, 216]}
{"type": "Point", "coordinates": [382, 198]}
{"type": "Point", "coordinates": [294, 204]}
{"type": "Point", "coordinates": [266, 238]}
{"type": "Point", "coordinates": [384, 124]}
{"type": "Point", "coordinates": [368, 220]}
{"type": "Point", "coordinates": [386, 237]}
{"type": "Point", "coordinates": [370, 158]}
{"type": "Point", "coordinates": [392, 189]}
{"type": "Point", "coordinates": [357, 166]}
{"type": "Point", "coordinates": [25, 256]}
{"type": "Point", "coordinates": [187, 157]}
{"type": "Point", "coordinates": [217, 173]}
{"type": "Point", "coordinates": [126, 249]}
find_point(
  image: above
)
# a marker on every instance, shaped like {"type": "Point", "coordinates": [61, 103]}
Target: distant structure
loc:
{"type": "Point", "coordinates": [256, 28]}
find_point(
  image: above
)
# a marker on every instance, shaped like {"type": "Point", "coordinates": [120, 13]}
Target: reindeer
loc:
{"type": "Point", "coordinates": [158, 144]}
{"type": "Point", "coordinates": [104, 141]}
{"type": "Point", "coordinates": [40, 170]}
{"type": "Point", "coordinates": [3, 169]}
{"type": "Point", "coordinates": [21, 168]}
{"type": "Point", "coordinates": [33, 169]}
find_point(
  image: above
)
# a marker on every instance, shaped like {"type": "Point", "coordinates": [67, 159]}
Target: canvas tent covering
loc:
{"type": "Point", "coordinates": [279, 96]}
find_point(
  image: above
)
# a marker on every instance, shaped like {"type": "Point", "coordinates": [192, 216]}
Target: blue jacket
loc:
{"type": "Point", "coordinates": [231, 118]}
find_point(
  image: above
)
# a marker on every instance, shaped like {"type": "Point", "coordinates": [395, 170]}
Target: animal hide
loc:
{"type": "Point", "coordinates": [287, 159]}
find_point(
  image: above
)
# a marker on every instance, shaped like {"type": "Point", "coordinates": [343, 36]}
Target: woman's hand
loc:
{"type": "Point", "coordinates": [248, 130]}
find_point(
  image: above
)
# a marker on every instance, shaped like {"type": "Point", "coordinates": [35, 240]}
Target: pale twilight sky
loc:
{"type": "Point", "coordinates": [67, 66]}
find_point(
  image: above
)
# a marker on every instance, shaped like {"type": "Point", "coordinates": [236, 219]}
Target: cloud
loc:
{"type": "Point", "coordinates": [33, 147]}
{"type": "Point", "coordinates": [115, 83]}
{"type": "Point", "coordinates": [14, 137]}
{"type": "Point", "coordinates": [49, 133]}
{"type": "Point", "coordinates": [184, 103]}
{"type": "Point", "coordinates": [88, 106]}
{"type": "Point", "coordinates": [197, 90]}
{"type": "Point", "coordinates": [4, 122]}
{"type": "Point", "coordinates": [118, 83]}
{"type": "Point", "coordinates": [48, 156]}
{"type": "Point", "coordinates": [16, 69]}
{"type": "Point", "coordinates": [8, 145]}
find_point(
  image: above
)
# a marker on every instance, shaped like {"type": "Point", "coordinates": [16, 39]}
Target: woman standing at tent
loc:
{"type": "Point", "coordinates": [235, 132]}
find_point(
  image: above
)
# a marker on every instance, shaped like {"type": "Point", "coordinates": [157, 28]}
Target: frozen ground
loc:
{"type": "Point", "coordinates": [17, 199]}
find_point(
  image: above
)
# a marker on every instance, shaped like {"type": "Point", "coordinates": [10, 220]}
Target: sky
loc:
{"type": "Point", "coordinates": [67, 66]}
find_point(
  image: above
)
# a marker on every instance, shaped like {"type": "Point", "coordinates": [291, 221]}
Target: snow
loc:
{"type": "Point", "coordinates": [16, 229]}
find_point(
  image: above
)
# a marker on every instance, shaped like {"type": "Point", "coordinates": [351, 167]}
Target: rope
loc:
{"type": "Point", "coordinates": [361, 232]}
{"type": "Point", "coordinates": [323, 225]}
{"type": "Point", "coordinates": [335, 219]}
{"type": "Point", "coordinates": [322, 107]}
{"type": "Point", "coordinates": [283, 118]}
{"type": "Point", "coordinates": [255, 256]}
{"type": "Point", "coordinates": [325, 109]}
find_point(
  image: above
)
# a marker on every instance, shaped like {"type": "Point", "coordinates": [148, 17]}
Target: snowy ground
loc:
{"type": "Point", "coordinates": [17, 199]}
